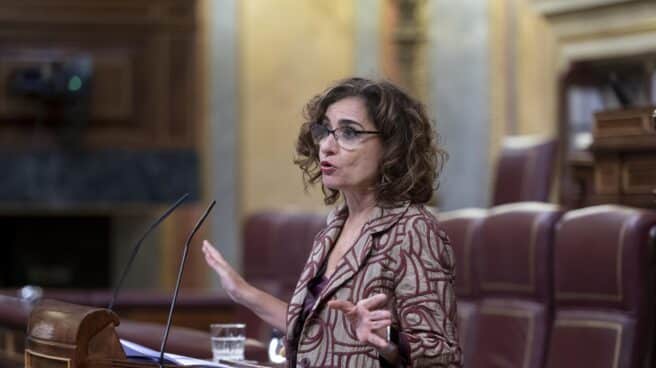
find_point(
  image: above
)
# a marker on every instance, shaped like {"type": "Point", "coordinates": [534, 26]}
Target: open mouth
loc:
{"type": "Point", "coordinates": [327, 167]}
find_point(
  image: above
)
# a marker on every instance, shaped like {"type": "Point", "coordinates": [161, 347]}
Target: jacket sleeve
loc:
{"type": "Point", "coordinates": [425, 300]}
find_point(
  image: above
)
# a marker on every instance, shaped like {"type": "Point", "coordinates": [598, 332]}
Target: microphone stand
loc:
{"type": "Point", "coordinates": [185, 252]}
{"type": "Point", "coordinates": [137, 246]}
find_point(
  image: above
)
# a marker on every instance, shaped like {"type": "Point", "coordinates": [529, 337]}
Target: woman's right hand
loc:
{"type": "Point", "coordinates": [232, 282]}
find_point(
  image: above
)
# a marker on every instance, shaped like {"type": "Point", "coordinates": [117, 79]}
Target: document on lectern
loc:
{"type": "Point", "coordinates": [140, 352]}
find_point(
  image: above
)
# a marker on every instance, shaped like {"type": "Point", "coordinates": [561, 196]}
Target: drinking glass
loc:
{"type": "Point", "coordinates": [228, 341]}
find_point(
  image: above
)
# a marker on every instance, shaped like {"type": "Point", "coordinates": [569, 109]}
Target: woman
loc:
{"type": "Point", "coordinates": [377, 289]}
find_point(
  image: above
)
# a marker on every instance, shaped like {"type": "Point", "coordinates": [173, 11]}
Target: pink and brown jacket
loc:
{"type": "Point", "coordinates": [402, 253]}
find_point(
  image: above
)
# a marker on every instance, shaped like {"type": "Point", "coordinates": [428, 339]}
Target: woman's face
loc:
{"type": "Point", "coordinates": [350, 170]}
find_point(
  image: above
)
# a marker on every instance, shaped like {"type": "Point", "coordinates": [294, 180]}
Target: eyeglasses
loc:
{"type": "Point", "coordinates": [346, 136]}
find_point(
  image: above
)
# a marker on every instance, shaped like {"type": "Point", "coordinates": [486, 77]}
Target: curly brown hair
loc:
{"type": "Point", "coordinates": [412, 159]}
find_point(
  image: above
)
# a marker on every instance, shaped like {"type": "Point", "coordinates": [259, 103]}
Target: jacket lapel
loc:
{"type": "Point", "coordinates": [353, 260]}
{"type": "Point", "coordinates": [324, 242]}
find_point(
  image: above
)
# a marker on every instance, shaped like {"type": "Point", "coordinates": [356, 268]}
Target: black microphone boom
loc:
{"type": "Point", "coordinates": [137, 246]}
{"type": "Point", "coordinates": [185, 252]}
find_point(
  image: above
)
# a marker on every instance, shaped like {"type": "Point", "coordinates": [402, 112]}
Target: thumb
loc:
{"type": "Point", "coordinates": [341, 305]}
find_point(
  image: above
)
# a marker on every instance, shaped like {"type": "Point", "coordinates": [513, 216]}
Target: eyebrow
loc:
{"type": "Point", "coordinates": [342, 122]}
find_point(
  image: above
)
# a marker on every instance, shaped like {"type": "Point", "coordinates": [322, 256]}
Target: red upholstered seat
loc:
{"type": "Point", "coordinates": [515, 285]}
{"type": "Point", "coordinates": [291, 244]}
{"type": "Point", "coordinates": [259, 231]}
{"type": "Point", "coordinates": [463, 228]}
{"type": "Point", "coordinates": [276, 246]}
{"type": "Point", "coordinates": [601, 287]}
{"type": "Point", "coordinates": [524, 170]}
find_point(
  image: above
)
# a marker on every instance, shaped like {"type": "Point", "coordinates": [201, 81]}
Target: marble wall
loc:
{"type": "Point", "coordinates": [265, 60]}
{"type": "Point", "coordinates": [459, 100]}
{"type": "Point", "coordinates": [289, 52]}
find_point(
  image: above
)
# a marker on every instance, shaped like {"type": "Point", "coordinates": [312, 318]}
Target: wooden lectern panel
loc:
{"type": "Point", "coordinates": [62, 335]}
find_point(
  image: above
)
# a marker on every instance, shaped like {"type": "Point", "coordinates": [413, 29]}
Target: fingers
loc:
{"type": "Point", "coordinates": [231, 281]}
{"type": "Point", "coordinates": [212, 252]}
{"type": "Point", "coordinates": [213, 257]}
{"type": "Point", "coordinates": [341, 305]}
{"type": "Point", "coordinates": [365, 304]}
{"type": "Point", "coordinates": [373, 301]}
{"type": "Point", "coordinates": [375, 325]}
{"type": "Point", "coordinates": [229, 278]}
{"type": "Point", "coordinates": [380, 314]}
{"type": "Point", "coordinates": [376, 341]}
{"type": "Point", "coordinates": [369, 324]}
{"type": "Point", "coordinates": [211, 261]}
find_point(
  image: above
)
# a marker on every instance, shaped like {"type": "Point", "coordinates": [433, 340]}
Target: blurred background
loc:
{"type": "Point", "coordinates": [110, 110]}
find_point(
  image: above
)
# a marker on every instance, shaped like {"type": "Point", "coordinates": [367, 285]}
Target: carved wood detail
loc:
{"type": "Point", "coordinates": [621, 124]}
{"type": "Point", "coordinates": [639, 174]}
{"type": "Point", "coordinates": [607, 175]}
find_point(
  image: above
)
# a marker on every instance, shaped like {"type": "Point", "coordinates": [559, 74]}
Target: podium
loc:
{"type": "Point", "coordinates": [63, 335]}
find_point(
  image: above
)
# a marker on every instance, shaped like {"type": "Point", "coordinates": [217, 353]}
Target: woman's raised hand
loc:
{"type": "Point", "coordinates": [232, 282]}
{"type": "Point", "coordinates": [369, 323]}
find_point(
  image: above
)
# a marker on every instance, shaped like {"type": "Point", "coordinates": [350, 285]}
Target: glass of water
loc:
{"type": "Point", "coordinates": [228, 341]}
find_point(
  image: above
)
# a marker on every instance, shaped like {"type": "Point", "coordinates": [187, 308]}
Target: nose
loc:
{"type": "Point", "coordinates": [328, 145]}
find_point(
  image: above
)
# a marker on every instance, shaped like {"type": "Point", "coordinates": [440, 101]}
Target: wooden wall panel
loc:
{"type": "Point", "coordinates": [143, 85]}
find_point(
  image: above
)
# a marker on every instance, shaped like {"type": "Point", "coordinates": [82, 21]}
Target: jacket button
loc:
{"type": "Point", "coordinates": [305, 362]}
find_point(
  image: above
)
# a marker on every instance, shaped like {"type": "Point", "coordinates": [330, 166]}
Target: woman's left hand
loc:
{"type": "Point", "coordinates": [370, 324]}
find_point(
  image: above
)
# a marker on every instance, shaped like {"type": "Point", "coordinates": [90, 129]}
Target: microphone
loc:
{"type": "Point", "coordinates": [137, 246]}
{"type": "Point", "coordinates": [185, 252]}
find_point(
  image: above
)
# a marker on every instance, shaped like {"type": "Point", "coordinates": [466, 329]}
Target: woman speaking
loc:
{"type": "Point", "coordinates": [377, 288]}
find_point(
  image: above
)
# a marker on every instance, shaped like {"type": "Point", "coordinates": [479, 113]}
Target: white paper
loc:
{"type": "Point", "coordinates": [134, 350]}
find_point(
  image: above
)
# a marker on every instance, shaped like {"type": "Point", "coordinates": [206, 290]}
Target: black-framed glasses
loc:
{"type": "Point", "coordinates": [346, 136]}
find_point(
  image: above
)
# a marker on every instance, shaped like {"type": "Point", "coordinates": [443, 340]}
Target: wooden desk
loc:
{"type": "Point", "coordinates": [620, 166]}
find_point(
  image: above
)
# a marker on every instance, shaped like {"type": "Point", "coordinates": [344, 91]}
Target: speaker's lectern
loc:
{"type": "Point", "coordinates": [62, 335]}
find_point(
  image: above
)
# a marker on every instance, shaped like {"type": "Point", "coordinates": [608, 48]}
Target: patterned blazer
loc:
{"type": "Point", "coordinates": [401, 253]}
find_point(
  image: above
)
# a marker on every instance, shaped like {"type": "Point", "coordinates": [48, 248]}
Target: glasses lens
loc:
{"type": "Point", "coordinates": [318, 132]}
{"type": "Point", "coordinates": [348, 137]}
